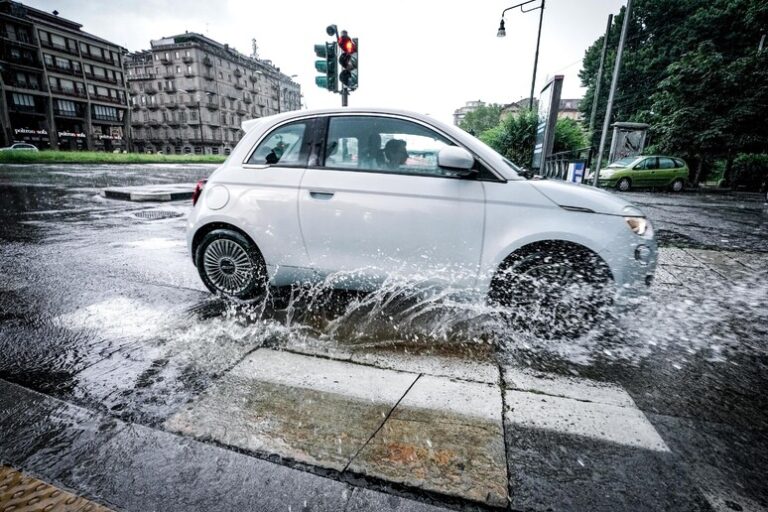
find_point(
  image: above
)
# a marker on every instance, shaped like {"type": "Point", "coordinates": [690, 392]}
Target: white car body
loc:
{"type": "Point", "coordinates": [312, 222]}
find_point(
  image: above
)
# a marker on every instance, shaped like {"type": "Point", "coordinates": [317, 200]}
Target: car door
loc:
{"type": "Point", "coordinates": [666, 173]}
{"type": "Point", "coordinates": [378, 205]}
{"type": "Point", "coordinates": [644, 172]}
{"type": "Point", "coordinates": [266, 186]}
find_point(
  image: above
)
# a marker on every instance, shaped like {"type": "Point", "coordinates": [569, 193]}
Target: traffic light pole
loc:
{"type": "Point", "coordinates": [344, 96]}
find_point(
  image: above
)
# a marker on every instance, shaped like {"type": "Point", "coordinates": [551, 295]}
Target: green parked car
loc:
{"type": "Point", "coordinates": [645, 171]}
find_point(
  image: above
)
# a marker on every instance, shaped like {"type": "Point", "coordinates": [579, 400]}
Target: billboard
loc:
{"type": "Point", "coordinates": [549, 101]}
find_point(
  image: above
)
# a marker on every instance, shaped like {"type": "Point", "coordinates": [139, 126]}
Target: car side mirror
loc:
{"type": "Point", "coordinates": [456, 159]}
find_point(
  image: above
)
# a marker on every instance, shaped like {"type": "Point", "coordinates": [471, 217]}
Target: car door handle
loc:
{"type": "Point", "coordinates": [320, 195]}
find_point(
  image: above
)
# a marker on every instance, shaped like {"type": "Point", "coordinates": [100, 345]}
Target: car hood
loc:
{"type": "Point", "coordinates": [582, 197]}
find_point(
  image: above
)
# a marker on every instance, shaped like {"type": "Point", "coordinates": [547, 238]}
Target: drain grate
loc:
{"type": "Point", "coordinates": [157, 214]}
{"type": "Point", "coordinates": [22, 493]}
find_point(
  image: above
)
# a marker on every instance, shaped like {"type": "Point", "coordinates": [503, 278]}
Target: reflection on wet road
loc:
{"type": "Point", "coordinates": [408, 391]}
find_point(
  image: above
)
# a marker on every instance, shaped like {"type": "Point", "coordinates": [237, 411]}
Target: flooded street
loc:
{"type": "Point", "coordinates": [122, 379]}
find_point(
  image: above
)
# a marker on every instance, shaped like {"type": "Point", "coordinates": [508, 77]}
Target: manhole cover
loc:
{"type": "Point", "coordinates": [157, 214]}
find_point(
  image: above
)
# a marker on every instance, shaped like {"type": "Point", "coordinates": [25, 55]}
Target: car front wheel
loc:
{"type": "Point", "coordinates": [230, 265]}
{"type": "Point", "coordinates": [553, 292]}
{"type": "Point", "coordinates": [677, 185]}
{"type": "Point", "coordinates": [624, 184]}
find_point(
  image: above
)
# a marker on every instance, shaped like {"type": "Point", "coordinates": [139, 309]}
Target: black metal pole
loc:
{"type": "Point", "coordinates": [536, 58]}
{"type": "Point", "coordinates": [344, 96]}
{"type": "Point", "coordinates": [612, 93]}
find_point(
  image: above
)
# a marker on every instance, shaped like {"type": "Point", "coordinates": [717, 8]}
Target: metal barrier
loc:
{"type": "Point", "coordinates": [556, 165]}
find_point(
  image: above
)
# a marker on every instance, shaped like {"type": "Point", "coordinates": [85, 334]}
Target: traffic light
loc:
{"type": "Point", "coordinates": [327, 66]}
{"type": "Point", "coordinates": [348, 61]}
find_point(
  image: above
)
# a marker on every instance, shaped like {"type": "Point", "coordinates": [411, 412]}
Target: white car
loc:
{"type": "Point", "coordinates": [20, 146]}
{"type": "Point", "coordinates": [366, 194]}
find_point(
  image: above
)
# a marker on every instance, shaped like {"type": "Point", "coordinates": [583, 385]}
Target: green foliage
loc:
{"type": "Point", "coordinates": [515, 137]}
{"type": "Point", "coordinates": [691, 70]}
{"type": "Point", "coordinates": [569, 135]}
{"type": "Point", "coordinates": [481, 119]}
{"type": "Point", "coordinates": [750, 171]}
{"type": "Point", "coordinates": [95, 157]}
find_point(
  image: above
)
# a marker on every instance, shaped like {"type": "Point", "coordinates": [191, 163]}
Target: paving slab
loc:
{"type": "Point", "coordinates": [306, 409]}
{"type": "Point", "coordinates": [439, 366]}
{"type": "Point", "coordinates": [585, 390]}
{"type": "Point", "coordinates": [155, 193]}
{"type": "Point", "coordinates": [662, 276]}
{"type": "Point", "coordinates": [445, 436]}
{"type": "Point", "coordinates": [677, 257]}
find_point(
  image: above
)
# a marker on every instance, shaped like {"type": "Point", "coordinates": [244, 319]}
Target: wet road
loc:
{"type": "Point", "coordinates": [101, 308]}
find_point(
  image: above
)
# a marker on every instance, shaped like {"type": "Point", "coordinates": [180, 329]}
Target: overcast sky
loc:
{"type": "Point", "coordinates": [429, 56]}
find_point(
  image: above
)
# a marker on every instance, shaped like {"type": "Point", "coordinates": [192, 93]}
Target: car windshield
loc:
{"type": "Point", "coordinates": [623, 162]}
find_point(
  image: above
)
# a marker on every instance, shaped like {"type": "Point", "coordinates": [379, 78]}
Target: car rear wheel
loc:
{"type": "Point", "coordinates": [677, 185]}
{"type": "Point", "coordinates": [554, 292]}
{"type": "Point", "coordinates": [229, 264]}
{"type": "Point", "coordinates": [624, 184]}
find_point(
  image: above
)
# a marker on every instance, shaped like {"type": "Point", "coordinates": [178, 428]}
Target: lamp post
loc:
{"type": "Point", "coordinates": [502, 33]}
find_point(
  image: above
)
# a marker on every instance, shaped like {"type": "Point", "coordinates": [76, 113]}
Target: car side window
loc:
{"type": "Point", "coordinates": [643, 165]}
{"type": "Point", "coordinates": [666, 163]}
{"type": "Point", "coordinates": [284, 146]}
{"type": "Point", "coordinates": [385, 145]}
{"type": "Point", "coordinates": [679, 163]}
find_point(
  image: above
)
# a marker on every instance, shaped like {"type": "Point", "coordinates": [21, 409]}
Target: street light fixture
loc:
{"type": "Point", "coordinates": [503, 32]}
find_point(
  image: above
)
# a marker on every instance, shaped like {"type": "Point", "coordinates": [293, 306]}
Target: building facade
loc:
{"type": "Point", "coordinates": [60, 87]}
{"type": "Point", "coordinates": [460, 113]}
{"type": "Point", "coordinates": [190, 94]}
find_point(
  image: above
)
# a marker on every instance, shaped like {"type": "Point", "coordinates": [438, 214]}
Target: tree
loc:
{"type": "Point", "coordinates": [691, 70]}
{"type": "Point", "coordinates": [515, 137]}
{"type": "Point", "coordinates": [481, 119]}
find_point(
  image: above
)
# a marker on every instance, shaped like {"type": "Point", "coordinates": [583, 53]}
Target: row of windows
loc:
{"type": "Point", "coordinates": [212, 134]}
{"type": "Point", "coordinates": [361, 143]}
{"type": "Point", "coordinates": [67, 65]}
{"type": "Point", "coordinates": [70, 45]}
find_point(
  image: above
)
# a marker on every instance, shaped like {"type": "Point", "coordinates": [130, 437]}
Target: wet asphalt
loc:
{"type": "Point", "coordinates": [101, 308]}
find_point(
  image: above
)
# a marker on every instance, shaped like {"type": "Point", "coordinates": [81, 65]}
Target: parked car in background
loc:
{"type": "Point", "coordinates": [645, 171]}
{"type": "Point", "coordinates": [20, 146]}
{"type": "Point", "coordinates": [366, 194]}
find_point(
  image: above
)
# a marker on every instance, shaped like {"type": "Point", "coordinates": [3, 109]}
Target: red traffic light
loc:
{"type": "Point", "coordinates": [346, 44]}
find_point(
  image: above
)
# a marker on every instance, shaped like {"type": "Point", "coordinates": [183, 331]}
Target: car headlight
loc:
{"type": "Point", "coordinates": [640, 226]}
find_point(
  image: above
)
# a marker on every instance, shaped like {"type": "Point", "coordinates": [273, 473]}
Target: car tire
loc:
{"type": "Point", "coordinates": [553, 292]}
{"type": "Point", "coordinates": [231, 265]}
{"type": "Point", "coordinates": [677, 185]}
{"type": "Point", "coordinates": [624, 185]}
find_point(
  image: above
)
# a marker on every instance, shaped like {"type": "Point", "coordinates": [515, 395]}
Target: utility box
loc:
{"type": "Point", "coordinates": [575, 172]}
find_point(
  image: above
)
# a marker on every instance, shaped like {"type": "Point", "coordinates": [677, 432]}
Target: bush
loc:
{"type": "Point", "coordinates": [750, 171]}
{"type": "Point", "coordinates": [97, 157]}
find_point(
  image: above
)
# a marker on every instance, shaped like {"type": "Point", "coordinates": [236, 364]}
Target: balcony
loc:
{"type": "Point", "coordinates": [108, 99]}
{"type": "Point", "coordinates": [155, 122]}
{"type": "Point", "coordinates": [68, 92]}
{"type": "Point", "coordinates": [136, 106]}
{"type": "Point", "coordinates": [238, 86]}
{"type": "Point", "coordinates": [59, 48]}
{"type": "Point", "coordinates": [166, 60]}
{"type": "Point", "coordinates": [207, 62]}
{"type": "Point", "coordinates": [21, 60]}
{"type": "Point", "coordinates": [208, 76]}
{"type": "Point", "coordinates": [21, 43]}
{"type": "Point", "coordinates": [187, 59]}
{"type": "Point", "coordinates": [150, 89]}
{"type": "Point", "coordinates": [105, 79]}
{"type": "Point", "coordinates": [241, 111]}
{"type": "Point", "coordinates": [153, 106]}
{"type": "Point", "coordinates": [238, 73]}
{"type": "Point", "coordinates": [26, 109]}
{"type": "Point", "coordinates": [247, 100]}
{"type": "Point", "coordinates": [171, 104]}
{"type": "Point", "coordinates": [68, 113]}
{"type": "Point", "coordinates": [169, 75]}
{"type": "Point", "coordinates": [253, 78]}
{"type": "Point", "coordinates": [212, 105]}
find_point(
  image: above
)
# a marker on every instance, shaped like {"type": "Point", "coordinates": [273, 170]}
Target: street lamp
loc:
{"type": "Point", "coordinates": [503, 32]}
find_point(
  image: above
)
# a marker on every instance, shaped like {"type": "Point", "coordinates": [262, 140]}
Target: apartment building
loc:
{"type": "Point", "coordinates": [60, 87]}
{"type": "Point", "coordinates": [190, 94]}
